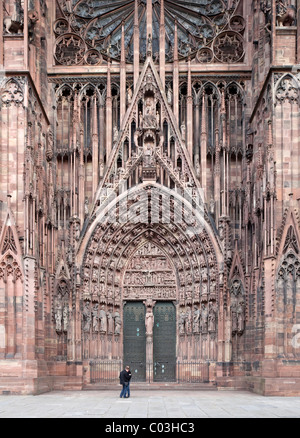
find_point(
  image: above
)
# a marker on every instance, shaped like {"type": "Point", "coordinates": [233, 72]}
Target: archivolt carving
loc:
{"type": "Point", "coordinates": [113, 247]}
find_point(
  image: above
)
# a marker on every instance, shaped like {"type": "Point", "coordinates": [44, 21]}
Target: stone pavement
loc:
{"type": "Point", "coordinates": [149, 404]}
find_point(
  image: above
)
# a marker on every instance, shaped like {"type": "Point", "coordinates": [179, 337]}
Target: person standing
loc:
{"type": "Point", "coordinates": [125, 377]}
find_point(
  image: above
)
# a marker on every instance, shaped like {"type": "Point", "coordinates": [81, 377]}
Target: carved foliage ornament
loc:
{"type": "Point", "coordinates": [10, 267]}
{"type": "Point", "coordinates": [288, 90]}
{"type": "Point", "coordinates": [12, 93]}
{"type": "Point", "coordinates": [290, 267]}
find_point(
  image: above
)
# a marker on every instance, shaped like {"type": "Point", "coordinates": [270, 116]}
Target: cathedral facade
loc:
{"type": "Point", "coordinates": [150, 193]}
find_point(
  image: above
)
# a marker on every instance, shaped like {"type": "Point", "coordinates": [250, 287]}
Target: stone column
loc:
{"type": "Point", "coordinates": [190, 113]}
{"type": "Point", "coordinates": [1, 34]}
{"type": "Point", "coordinates": [136, 38]}
{"type": "Point", "coordinates": [149, 322]}
{"type": "Point", "coordinates": [108, 115]}
{"type": "Point", "coordinates": [149, 18]}
{"type": "Point", "coordinates": [176, 76]}
{"type": "Point", "coordinates": [122, 79]}
{"type": "Point", "coordinates": [203, 145]}
{"type": "Point", "coordinates": [298, 33]}
{"type": "Point", "coordinates": [162, 45]}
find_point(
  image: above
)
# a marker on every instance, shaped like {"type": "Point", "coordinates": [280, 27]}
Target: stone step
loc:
{"type": "Point", "coordinates": [142, 386]}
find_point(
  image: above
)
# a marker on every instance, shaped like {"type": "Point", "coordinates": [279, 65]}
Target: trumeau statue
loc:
{"type": "Point", "coordinates": [149, 321]}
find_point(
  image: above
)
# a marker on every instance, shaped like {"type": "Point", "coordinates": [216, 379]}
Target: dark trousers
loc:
{"type": "Point", "coordinates": [125, 391]}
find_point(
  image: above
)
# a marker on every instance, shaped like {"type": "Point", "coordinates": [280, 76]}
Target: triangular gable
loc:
{"type": "Point", "coordinates": [237, 266]}
{"type": "Point", "coordinates": [289, 238]}
{"type": "Point", "coordinates": [9, 240]}
{"type": "Point", "coordinates": [149, 64]}
{"type": "Point", "coordinates": [62, 271]}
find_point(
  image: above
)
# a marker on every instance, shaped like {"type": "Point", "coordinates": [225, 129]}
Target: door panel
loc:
{"type": "Point", "coordinates": [164, 342]}
{"type": "Point", "coordinates": [135, 339]}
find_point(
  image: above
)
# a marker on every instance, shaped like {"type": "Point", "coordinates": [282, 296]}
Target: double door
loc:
{"type": "Point", "coordinates": [162, 365]}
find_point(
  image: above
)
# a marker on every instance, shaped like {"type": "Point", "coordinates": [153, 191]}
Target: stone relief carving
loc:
{"type": "Point", "coordinates": [14, 24]}
{"type": "Point", "coordinates": [100, 319]}
{"type": "Point", "coordinates": [12, 93]}
{"type": "Point", "coordinates": [61, 307]}
{"type": "Point", "coordinates": [285, 14]}
{"type": "Point", "coordinates": [195, 320]}
{"type": "Point", "coordinates": [10, 267]}
{"type": "Point", "coordinates": [87, 317]}
{"type": "Point", "coordinates": [288, 89]}
{"type": "Point", "coordinates": [149, 321]}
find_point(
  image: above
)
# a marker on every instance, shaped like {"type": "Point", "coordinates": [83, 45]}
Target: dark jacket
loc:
{"type": "Point", "coordinates": [125, 377]}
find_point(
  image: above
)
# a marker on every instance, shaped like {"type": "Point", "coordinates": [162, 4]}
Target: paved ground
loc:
{"type": "Point", "coordinates": [149, 404]}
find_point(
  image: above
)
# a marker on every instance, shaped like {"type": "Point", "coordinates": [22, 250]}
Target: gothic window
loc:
{"type": "Point", "coordinates": [209, 31]}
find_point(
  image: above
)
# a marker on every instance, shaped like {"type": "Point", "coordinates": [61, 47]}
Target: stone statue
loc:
{"type": "Point", "coordinates": [204, 319]}
{"type": "Point", "coordinates": [65, 317]}
{"type": "Point", "coordinates": [95, 317]}
{"type": "Point", "coordinates": [148, 155]}
{"type": "Point", "coordinates": [183, 132]}
{"type": "Point", "coordinates": [157, 120]}
{"type": "Point", "coordinates": [58, 316]}
{"type": "Point", "coordinates": [149, 120]}
{"type": "Point", "coordinates": [196, 320]}
{"type": "Point", "coordinates": [116, 134]}
{"type": "Point", "coordinates": [188, 320]}
{"type": "Point", "coordinates": [118, 323]}
{"type": "Point", "coordinates": [240, 314]}
{"type": "Point", "coordinates": [103, 320]}
{"type": "Point", "coordinates": [110, 322]}
{"type": "Point", "coordinates": [234, 318]}
{"type": "Point", "coordinates": [129, 95]}
{"type": "Point", "coordinates": [15, 23]}
{"type": "Point", "coordinates": [170, 96]}
{"type": "Point", "coordinates": [86, 206]}
{"type": "Point", "coordinates": [286, 14]}
{"type": "Point", "coordinates": [212, 318]}
{"type": "Point", "coordinates": [140, 119]}
{"type": "Point", "coordinates": [149, 322]}
{"type": "Point", "coordinates": [87, 319]}
{"type": "Point", "coordinates": [149, 44]}
{"type": "Point", "coordinates": [182, 323]}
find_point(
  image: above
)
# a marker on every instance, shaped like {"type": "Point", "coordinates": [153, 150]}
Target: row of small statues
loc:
{"type": "Point", "coordinates": [100, 320]}
{"type": "Point", "coordinates": [198, 320]}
